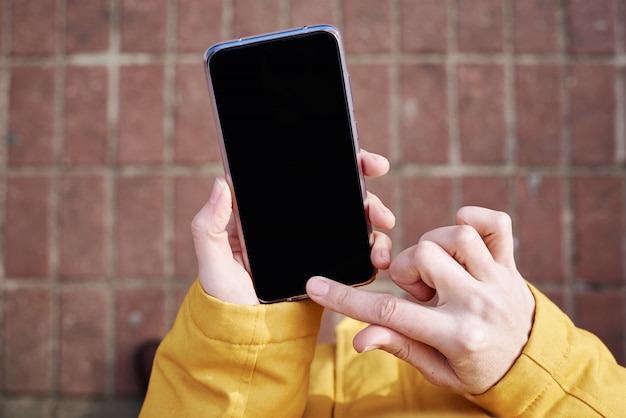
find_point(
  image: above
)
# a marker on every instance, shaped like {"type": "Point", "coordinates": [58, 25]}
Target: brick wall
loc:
{"type": "Point", "coordinates": [108, 149]}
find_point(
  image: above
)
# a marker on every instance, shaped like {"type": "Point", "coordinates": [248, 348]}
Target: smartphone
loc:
{"type": "Point", "coordinates": [289, 145]}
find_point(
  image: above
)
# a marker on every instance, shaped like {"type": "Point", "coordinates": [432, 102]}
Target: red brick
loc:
{"type": "Point", "coordinates": [539, 228]}
{"type": "Point", "coordinates": [253, 17]}
{"type": "Point", "coordinates": [426, 204]}
{"type": "Point", "coordinates": [538, 108]}
{"type": "Point", "coordinates": [139, 227]}
{"type": "Point", "coordinates": [592, 96]}
{"type": "Point", "coordinates": [143, 25]}
{"type": "Point", "coordinates": [83, 358]}
{"type": "Point", "coordinates": [199, 24]}
{"type": "Point", "coordinates": [86, 125]}
{"type": "Point", "coordinates": [370, 89]}
{"type": "Point", "coordinates": [535, 26]}
{"type": "Point", "coordinates": [82, 227]}
{"type": "Point", "coordinates": [488, 192]}
{"type": "Point", "coordinates": [599, 226]}
{"type": "Point", "coordinates": [424, 113]}
{"type": "Point", "coordinates": [481, 113]}
{"type": "Point", "coordinates": [603, 314]}
{"type": "Point", "coordinates": [195, 135]}
{"type": "Point", "coordinates": [27, 342]}
{"type": "Point", "coordinates": [424, 25]}
{"type": "Point", "coordinates": [87, 25]}
{"type": "Point", "coordinates": [27, 228]}
{"type": "Point", "coordinates": [141, 115]}
{"type": "Point", "coordinates": [190, 194]}
{"type": "Point", "coordinates": [307, 13]}
{"type": "Point", "coordinates": [34, 27]}
{"type": "Point", "coordinates": [139, 317]}
{"type": "Point", "coordinates": [367, 25]}
{"type": "Point", "coordinates": [479, 25]}
{"type": "Point", "coordinates": [31, 116]}
{"type": "Point", "coordinates": [591, 26]}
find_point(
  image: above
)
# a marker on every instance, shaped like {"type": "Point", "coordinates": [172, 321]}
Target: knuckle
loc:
{"type": "Point", "coordinates": [424, 251]}
{"type": "Point", "coordinates": [473, 340]}
{"type": "Point", "coordinates": [484, 306]}
{"type": "Point", "coordinates": [466, 236]}
{"type": "Point", "coordinates": [342, 296]}
{"type": "Point", "coordinates": [401, 350]}
{"type": "Point", "coordinates": [381, 239]}
{"type": "Point", "coordinates": [199, 226]}
{"type": "Point", "coordinates": [385, 309]}
{"type": "Point", "coordinates": [503, 221]}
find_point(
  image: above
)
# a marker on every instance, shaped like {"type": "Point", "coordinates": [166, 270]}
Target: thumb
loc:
{"type": "Point", "coordinates": [208, 227]}
{"type": "Point", "coordinates": [430, 362]}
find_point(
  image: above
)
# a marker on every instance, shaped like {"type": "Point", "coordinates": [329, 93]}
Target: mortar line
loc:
{"type": "Point", "coordinates": [54, 216]}
{"type": "Point", "coordinates": [620, 107]}
{"type": "Point", "coordinates": [169, 103]}
{"type": "Point", "coordinates": [5, 76]}
{"type": "Point", "coordinates": [228, 19]}
{"type": "Point", "coordinates": [568, 205]}
{"type": "Point", "coordinates": [454, 140]}
{"type": "Point", "coordinates": [394, 84]}
{"type": "Point", "coordinates": [395, 140]}
{"type": "Point", "coordinates": [122, 171]}
{"type": "Point", "coordinates": [284, 10]}
{"type": "Point", "coordinates": [623, 255]}
{"type": "Point", "coordinates": [90, 59]}
{"type": "Point", "coordinates": [620, 150]}
{"type": "Point", "coordinates": [445, 169]}
{"type": "Point", "coordinates": [113, 67]}
{"type": "Point", "coordinates": [509, 85]}
{"type": "Point", "coordinates": [510, 109]}
{"type": "Point", "coordinates": [338, 14]}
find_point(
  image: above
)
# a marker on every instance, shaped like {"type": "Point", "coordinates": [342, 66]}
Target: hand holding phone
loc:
{"type": "Point", "coordinates": [216, 240]}
{"type": "Point", "coordinates": [289, 147]}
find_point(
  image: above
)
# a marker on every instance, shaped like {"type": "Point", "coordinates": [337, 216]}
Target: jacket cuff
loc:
{"type": "Point", "coordinates": [531, 376]}
{"type": "Point", "coordinates": [258, 324]}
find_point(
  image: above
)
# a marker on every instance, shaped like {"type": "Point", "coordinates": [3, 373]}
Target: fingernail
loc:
{"type": "Point", "coordinates": [318, 287]}
{"type": "Point", "coordinates": [218, 188]}
{"type": "Point", "coordinates": [370, 348]}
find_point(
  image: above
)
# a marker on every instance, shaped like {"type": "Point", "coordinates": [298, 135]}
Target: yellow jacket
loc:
{"type": "Point", "coordinates": [224, 360]}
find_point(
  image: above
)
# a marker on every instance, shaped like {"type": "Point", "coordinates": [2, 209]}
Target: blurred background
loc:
{"type": "Point", "coordinates": [109, 148]}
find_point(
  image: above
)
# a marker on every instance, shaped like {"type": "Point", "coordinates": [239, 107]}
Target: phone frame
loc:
{"type": "Point", "coordinates": [353, 127]}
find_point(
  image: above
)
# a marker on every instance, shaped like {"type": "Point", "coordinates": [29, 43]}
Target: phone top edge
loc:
{"type": "Point", "coordinates": [271, 36]}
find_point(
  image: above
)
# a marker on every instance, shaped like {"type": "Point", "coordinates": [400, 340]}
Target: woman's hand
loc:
{"type": "Point", "coordinates": [218, 250]}
{"type": "Point", "coordinates": [473, 313]}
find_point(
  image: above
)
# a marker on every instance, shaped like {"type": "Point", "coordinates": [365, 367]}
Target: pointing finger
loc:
{"type": "Point", "coordinates": [410, 319]}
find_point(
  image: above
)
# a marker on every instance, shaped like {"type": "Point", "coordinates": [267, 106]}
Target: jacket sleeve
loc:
{"type": "Point", "coordinates": [562, 371]}
{"type": "Point", "coordinates": [226, 360]}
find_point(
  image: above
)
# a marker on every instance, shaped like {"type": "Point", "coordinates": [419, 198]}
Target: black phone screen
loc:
{"type": "Point", "coordinates": [287, 135]}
